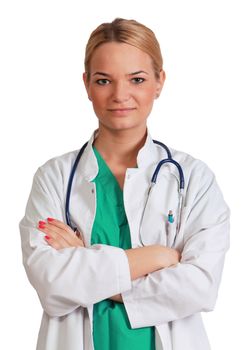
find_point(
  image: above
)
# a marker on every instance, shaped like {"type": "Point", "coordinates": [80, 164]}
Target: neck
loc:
{"type": "Point", "coordinates": [120, 146]}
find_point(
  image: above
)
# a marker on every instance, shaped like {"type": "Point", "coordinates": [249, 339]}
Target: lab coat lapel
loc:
{"type": "Point", "coordinates": [153, 227]}
{"type": "Point", "coordinates": [136, 186]}
{"type": "Point", "coordinates": [83, 196]}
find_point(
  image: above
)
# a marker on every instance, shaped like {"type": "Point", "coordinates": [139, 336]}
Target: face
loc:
{"type": "Point", "coordinates": [122, 85]}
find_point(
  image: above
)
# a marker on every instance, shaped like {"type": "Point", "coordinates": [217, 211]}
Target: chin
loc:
{"type": "Point", "coordinates": [121, 125]}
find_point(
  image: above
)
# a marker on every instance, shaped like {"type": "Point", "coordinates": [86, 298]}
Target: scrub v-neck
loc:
{"type": "Point", "coordinates": [111, 327]}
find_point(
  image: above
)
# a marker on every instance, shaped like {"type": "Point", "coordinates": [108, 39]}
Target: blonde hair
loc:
{"type": "Point", "coordinates": [129, 32]}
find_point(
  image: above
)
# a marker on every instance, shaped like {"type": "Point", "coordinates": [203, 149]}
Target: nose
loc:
{"type": "Point", "coordinates": [121, 92]}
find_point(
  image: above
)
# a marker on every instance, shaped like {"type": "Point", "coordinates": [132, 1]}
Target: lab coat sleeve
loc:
{"type": "Point", "coordinates": [68, 278]}
{"type": "Point", "coordinates": [192, 285]}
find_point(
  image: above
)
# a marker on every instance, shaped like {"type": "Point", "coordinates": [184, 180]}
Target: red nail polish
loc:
{"type": "Point", "coordinates": [42, 222]}
{"type": "Point", "coordinates": [50, 219]}
{"type": "Point", "coordinates": [41, 225]}
{"type": "Point", "coordinates": [47, 237]}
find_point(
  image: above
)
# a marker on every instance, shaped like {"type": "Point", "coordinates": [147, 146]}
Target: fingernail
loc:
{"type": "Point", "coordinates": [50, 219]}
{"type": "Point", "coordinates": [42, 222]}
{"type": "Point", "coordinates": [41, 225]}
{"type": "Point", "coordinates": [47, 237]}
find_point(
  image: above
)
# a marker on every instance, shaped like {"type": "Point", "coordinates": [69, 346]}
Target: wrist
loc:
{"type": "Point", "coordinates": [168, 256]}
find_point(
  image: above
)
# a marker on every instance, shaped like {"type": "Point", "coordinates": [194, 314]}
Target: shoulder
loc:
{"type": "Point", "coordinates": [201, 187]}
{"type": "Point", "coordinates": [192, 166]}
{"type": "Point", "coordinates": [56, 169]}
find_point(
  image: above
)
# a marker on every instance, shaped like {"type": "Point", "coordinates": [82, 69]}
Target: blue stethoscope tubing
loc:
{"type": "Point", "coordinates": [169, 159]}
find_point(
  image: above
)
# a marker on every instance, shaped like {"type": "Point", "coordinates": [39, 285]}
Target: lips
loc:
{"type": "Point", "coordinates": [121, 109]}
{"type": "Point", "coordinates": [121, 112]}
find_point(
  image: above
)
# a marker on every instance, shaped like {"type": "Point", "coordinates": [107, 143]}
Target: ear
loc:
{"type": "Point", "coordinates": [160, 82]}
{"type": "Point", "coordinates": [86, 83]}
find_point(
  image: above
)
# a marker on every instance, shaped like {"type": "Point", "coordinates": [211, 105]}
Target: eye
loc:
{"type": "Point", "coordinates": [102, 81]}
{"type": "Point", "coordinates": [138, 80]}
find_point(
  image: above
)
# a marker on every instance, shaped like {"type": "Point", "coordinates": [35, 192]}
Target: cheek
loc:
{"type": "Point", "coordinates": [98, 98]}
{"type": "Point", "coordinates": [147, 96]}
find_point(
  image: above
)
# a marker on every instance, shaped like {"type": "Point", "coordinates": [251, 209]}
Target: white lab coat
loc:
{"type": "Point", "coordinates": [71, 280]}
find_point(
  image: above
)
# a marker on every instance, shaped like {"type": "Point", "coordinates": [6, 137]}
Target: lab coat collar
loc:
{"type": "Point", "coordinates": [148, 154]}
{"type": "Point", "coordinates": [88, 166]}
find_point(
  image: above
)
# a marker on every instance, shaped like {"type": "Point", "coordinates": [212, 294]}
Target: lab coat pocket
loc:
{"type": "Point", "coordinates": [156, 226]}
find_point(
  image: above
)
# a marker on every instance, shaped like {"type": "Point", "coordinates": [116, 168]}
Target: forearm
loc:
{"type": "Point", "coordinates": [141, 261]}
{"type": "Point", "coordinates": [145, 260]}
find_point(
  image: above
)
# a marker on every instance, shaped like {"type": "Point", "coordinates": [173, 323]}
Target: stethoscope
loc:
{"type": "Point", "coordinates": [169, 159]}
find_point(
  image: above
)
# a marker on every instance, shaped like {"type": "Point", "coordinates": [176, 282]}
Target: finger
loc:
{"type": "Point", "coordinates": [70, 236]}
{"type": "Point", "coordinates": [48, 229]}
{"type": "Point", "coordinates": [76, 237]}
{"type": "Point", "coordinates": [50, 232]}
{"type": "Point", "coordinates": [54, 229]}
{"type": "Point", "coordinates": [56, 244]}
{"type": "Point", "coordinates": [66, 231]}
{"type": "Point", "coordinates": [59, 234]}
{"type": "Point", "coordinates": [61, 225]}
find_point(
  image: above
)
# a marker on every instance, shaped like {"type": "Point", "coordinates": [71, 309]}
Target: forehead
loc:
{"type": "Point", "coordinates": [120, 57]}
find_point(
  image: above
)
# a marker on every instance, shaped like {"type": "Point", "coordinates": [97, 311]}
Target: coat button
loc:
{"type": "Point", "coordinates": [92, 190]}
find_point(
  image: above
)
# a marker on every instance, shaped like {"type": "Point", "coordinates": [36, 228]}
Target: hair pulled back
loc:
{"type": "Point", "coordinates": [129, 32]}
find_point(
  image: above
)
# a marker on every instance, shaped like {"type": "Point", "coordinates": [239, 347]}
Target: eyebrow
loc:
{"type": "Point", "coordinates": [108, 75]}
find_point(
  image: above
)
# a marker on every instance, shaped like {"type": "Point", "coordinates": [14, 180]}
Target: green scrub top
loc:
{"type": "Point", "coordinates": [111, 327]}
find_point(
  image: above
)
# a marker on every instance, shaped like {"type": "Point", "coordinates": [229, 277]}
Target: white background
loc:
{"type": "Point", "coordinates": [205, 110]}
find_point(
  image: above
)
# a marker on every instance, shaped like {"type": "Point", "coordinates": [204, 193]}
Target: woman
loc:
{"type": "Point", "coordinates": [140, 271]}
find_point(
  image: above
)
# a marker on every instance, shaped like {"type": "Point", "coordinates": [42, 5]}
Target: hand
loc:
{"type": "Point", "coordinates": [117, 298]}
{"type": "Point", "coordinates": [59, 235]}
